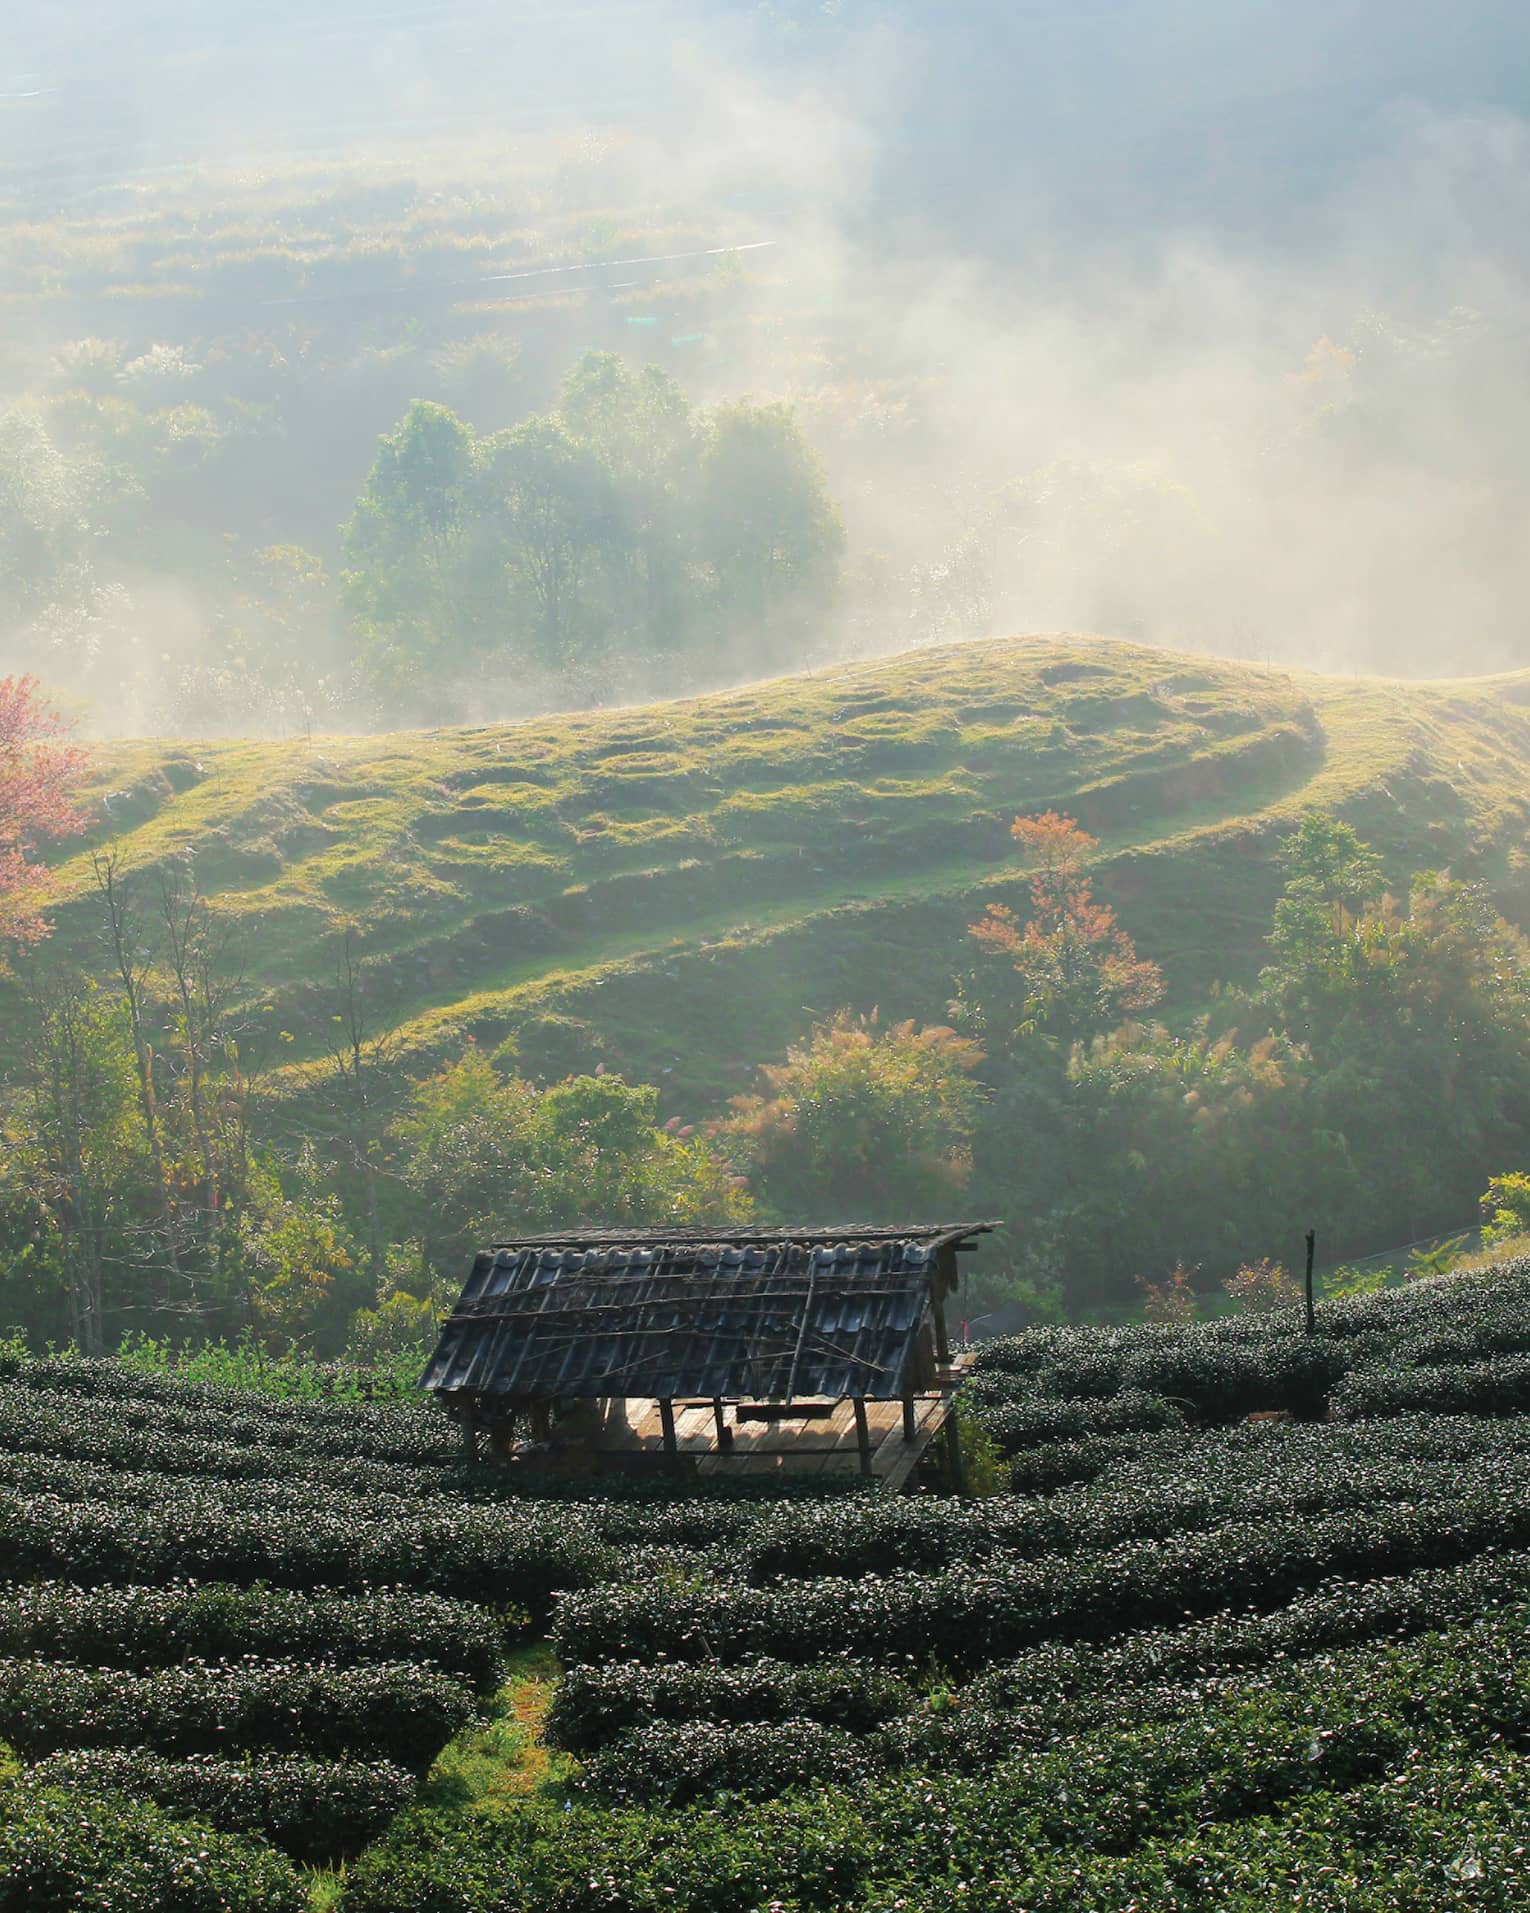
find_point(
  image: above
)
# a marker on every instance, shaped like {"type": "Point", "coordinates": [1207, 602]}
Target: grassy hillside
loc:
{"type": "Point", "coordinates": [676, 889]}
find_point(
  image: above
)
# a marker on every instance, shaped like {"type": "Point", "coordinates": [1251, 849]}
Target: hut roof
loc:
{"type": "Point", "coordinates": [751, 1315]}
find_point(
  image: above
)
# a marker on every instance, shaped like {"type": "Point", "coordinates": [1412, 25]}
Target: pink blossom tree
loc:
{"type": "Point", "coordinates": [39, 779]}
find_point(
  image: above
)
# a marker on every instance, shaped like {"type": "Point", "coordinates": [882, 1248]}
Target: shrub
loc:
{"type": "Point", "coordinates": [677, 1762]}
{"type": "Point", "coordinates": [156, 1532]}
{"type": "Point", "coordinates": [139, 1627]}
{"type": "Point", "coordinates": [1016, 1426]}
{"type": "Point", "coordinates": [593, 1705]}
{"type": "Point", "coordinates": [403, 1713]}
{"type": "Point", "coordinates": [63, 1852]}
{"type": "Point", "coordinates": [314, 1810]}
{"type": "Point", "coordinates": [969, 1616]}
{"type": "Point", "coordinates": [1500, 1386]}
{"type": "Point", "coordinates": [380, 1431]}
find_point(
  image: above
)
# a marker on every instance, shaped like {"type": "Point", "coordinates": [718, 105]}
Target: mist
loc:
{"type": "Point", "coordinates": [1197, 327]}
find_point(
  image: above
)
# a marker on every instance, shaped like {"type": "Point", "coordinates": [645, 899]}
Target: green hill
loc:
{"type": "Point", "coordinates": [676, 889]}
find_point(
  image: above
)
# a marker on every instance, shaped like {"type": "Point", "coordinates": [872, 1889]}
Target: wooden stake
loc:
{"type": "Point", "coordinates": [1311, 1309]}
{"type": "Point", "coordinates": [724, 1432]}
{"type": "Point", "coordinates": [910, 1426]}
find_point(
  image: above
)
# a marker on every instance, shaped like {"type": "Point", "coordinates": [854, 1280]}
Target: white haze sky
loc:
{"type": "Point", "coordinates": [1100, 239]}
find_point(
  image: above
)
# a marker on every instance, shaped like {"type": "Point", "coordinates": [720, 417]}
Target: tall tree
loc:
{"type": "Point", "coordinates": [552, 506]}
{"type": "Point", "coordinates": [637, 423]}
{"type": "Point", "coordinates": [768, 527]}
{"type": "Point", "coordinates": [75, 1151]}
{"type": "Point", "coordinates": [406, 549]}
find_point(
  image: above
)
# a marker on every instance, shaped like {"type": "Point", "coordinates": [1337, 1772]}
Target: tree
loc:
{"type": "Point", "coordinates": [638, 425]}
{"type": "Point", "coordinates": [406, 548]}
{"type": "Point", "coordinates": [297, 1252]}
{"type": "Point", "coordinates": [44, 536]}
{"type": "Point", "coordinates": [549, 501]}
{"type": "Point", "coordinates": [39, 782]}
{"type": "Point", "coordinates": [73, 1153]}
{"type": "Point", "coordinates": [1078, 971]}
{"type": "Point", "coordinates": [1506, 1204]}
{"type": "Point", "coordinates": [863, 1119]}
{"type": "Point", "coordinates": [768, 527]}
{"type": "Point", "coordinates": [489, 1155]}
{"type": "Point", "coordinates": [1330, 877]}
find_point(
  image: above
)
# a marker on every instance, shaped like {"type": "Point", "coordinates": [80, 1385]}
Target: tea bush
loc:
{"type": "Point", "coordinates": [678, 1762]}
{"type": "Point", "coordinates": [593, 1705]}
{"type": "Point", "coordinates": [508, 1556]}
{"type": "Point", "coordinates": [316, 1811]}
{"type": "Point", "coordinates": [401, 1713]}
{"type": "Point", "coordinates": [150, 1627]}
{"type": "Point", "coordinates": [64, 1852]}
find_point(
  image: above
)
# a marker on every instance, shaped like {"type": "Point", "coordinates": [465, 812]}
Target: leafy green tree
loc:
{"type": "Point", "coordinates": [1506, 1204]}
{"type": "Point", "coordinates": [1330, 878]}
{"type": "Point", "coordinates": [299, 1259]}
{"type": "Point", "coordinates": [407, 581]}
{"type": "Point", "coordinates": [863, 1120]}
{"type": "Point", "coordinates": [488, 1155]}
{"type": "Point", "coordinates": [550, 508]}
{"type": "Point", "coordinates": [768, 529]}
{"type": "Point", "coordinates": [74, 1147]}
{"type": "Point", "coordinates": [637, 423]}
{"type": "Point", "coordinates": [44, 532]}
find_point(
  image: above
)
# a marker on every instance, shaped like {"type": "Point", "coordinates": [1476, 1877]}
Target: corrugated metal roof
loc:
{"type": "Point", "coordinates": [749, 1317]}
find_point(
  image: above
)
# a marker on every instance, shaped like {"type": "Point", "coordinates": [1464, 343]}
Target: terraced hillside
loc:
{"type": "Point", "coordinates": [673, 889]}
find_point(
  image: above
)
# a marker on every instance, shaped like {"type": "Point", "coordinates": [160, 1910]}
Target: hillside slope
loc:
{"type": "Point", "coordinates": [675, 889]}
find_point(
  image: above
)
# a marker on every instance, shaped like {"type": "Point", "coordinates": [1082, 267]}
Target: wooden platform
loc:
{"type": "Point", "coordinates": [632, 1434]}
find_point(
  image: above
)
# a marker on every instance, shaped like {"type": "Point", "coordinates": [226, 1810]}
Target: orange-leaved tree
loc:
{"type": "Point", "coordinates": [1078, 970]}
{"type": "Point", "coordinates": [39, 776]}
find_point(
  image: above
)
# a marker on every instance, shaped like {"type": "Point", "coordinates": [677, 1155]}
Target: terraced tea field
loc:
{"type": "Point", "coordinates": [1246, 1628]}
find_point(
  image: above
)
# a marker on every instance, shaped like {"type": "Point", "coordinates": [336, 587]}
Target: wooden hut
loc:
{"type": "Point", "coordinates": [742, 1351]}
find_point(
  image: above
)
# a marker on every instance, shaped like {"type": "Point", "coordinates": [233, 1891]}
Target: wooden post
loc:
{"type": "Point", "coordinates": [469, 1435]}
{"type": "Point", "coordinates": [945, 1277]}
{"type": "Point", "coordinates": [667, 1423]}
{"type": "Point", "coordinates": [954, 1452]}
{"type": "Point", "coordinates": [1311, 1310]}
{"type": "Point", "coordinates": [724, 1432]}
{"type": "Point", "coordinates": [910, 1426]}
{"type": "Point", "coordinates": [862, 1433]}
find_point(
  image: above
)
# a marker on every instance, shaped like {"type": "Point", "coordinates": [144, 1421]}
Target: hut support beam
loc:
{"type": "Point", "coordinates": [667, 1423]}
{"type": "Point", "coordinates": [469, 1434]}
{"type": "Point", "coordinates": [910, 1424]}
{"type": "Point", "coordinates": [946, 1278]}
{"type": "Point", "coordinates": [862, 1434]}
{"type": "Point", "coordinates": [724, 1432]}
